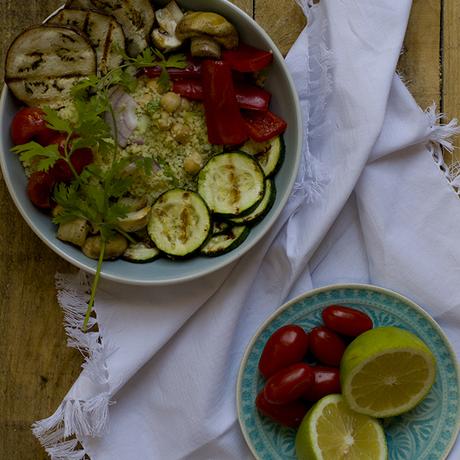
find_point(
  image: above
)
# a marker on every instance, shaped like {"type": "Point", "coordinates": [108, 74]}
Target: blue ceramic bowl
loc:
{"type": "Point", "coordinates": [427, 432]}
{"type": "Point", "coordinates": [284, 103]}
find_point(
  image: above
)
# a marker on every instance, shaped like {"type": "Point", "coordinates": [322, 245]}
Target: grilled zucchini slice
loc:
{"type": "Point", "coordinates": [231, 183]}
{"type": "Point", "coordinates": [141, 253]}
{"type": "Point", "coordinates": [180, 223]}
{"type": "Point", "coordinates": [270, 154]}
{"type": "Point", "coordinates": [44, 62]}
{"type": "Point", "coordinates": [135, 16]}
{"type": "Point", "coordinates": [262, 209]}
{"type": "Point", "coordinates": [226, 241]}
{"type": "Point", "coordinates": [104, 33]}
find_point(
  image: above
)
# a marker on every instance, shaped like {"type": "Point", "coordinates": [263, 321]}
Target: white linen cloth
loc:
{"type": "Point", "coordinates": [371, 206]}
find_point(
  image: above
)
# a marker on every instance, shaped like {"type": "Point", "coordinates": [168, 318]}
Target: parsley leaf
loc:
{"type": "Point", "coordinates": [46, 156]}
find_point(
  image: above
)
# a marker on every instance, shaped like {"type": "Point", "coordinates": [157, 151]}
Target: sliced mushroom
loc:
{"type": "Point", "coordinates": [200, 25]}
{"type": "Point", "coordinates": [165, 36]}
{"type": "Point", "coordinates": [135, 221]}
{"type": "Point", "coordinates": [74, 232]}
{"type": "Point", "coordinates": [114, 247]}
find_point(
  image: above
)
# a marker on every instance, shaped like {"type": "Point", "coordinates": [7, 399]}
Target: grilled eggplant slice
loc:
{"type": "Point", "coordinates": [135, 16]}
{"type": "Point", "coordinates": [44, 62]}
{"type": "Point", "coordinates": [103, 31]}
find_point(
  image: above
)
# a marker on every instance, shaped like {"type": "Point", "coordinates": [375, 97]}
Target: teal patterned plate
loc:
{"type": "Point", "coordinates": [428, 432]}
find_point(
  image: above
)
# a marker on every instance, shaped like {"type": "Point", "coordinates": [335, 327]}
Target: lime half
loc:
{"type": "Point", "coordinates": [386, 371]}
{"type": "Point", "coordinates": [332, 431]}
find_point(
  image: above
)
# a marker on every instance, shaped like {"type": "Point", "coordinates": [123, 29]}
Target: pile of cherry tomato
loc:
{"type": "Point", "coordinates": [301, 367]}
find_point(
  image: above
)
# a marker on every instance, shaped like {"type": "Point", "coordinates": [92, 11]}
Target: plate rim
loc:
{"type": "Point", "coordinates": [319, 290]}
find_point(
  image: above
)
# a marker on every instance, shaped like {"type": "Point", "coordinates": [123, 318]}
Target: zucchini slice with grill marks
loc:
{"type": "Point", "coordinates": [180, 223]}
{"type": "Point", "coordinates": [141, 253]}
{"type": "Point", "coordinates": [231, 183]}
{"type": "Point", "coordinates": [262, 209]}
{"type": "Point", "coordinates": [270, 154]}
{"type": "Point", "coordinates": [226, 241]}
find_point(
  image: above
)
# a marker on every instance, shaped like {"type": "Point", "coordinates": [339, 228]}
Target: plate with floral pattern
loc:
{"type": "Point", "coordinates": [427, 432]}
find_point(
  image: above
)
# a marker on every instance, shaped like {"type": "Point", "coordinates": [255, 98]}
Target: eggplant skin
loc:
{"type": "Point", "coordinates": [44, 62]}
{"type": "Point", "coordinates": [103, 31]}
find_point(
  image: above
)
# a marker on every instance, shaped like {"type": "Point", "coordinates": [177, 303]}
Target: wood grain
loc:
{"type": "Point", "coordinates": [37, 368]}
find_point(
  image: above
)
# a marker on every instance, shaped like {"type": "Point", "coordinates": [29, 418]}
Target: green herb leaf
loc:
{"type": "Point", "coordinates": [45, 156]}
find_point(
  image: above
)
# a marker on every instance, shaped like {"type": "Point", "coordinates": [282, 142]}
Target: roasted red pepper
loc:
{"type": "Point", "coordinates": [192, 71]}
{"type": "Point", "coordinates": [263, 126]}
{"type": "Point", "coordinates": [250, 97]}
{"type": "Point", "coordinates": [246, 58]}
{"type": "Point", "coordinates": [223, 118]}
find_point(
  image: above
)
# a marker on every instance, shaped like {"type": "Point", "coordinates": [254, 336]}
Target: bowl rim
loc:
{"type": "Point", "coordinates": [216, 265]}
{"type": "Point", "coordinates": [319, 290]}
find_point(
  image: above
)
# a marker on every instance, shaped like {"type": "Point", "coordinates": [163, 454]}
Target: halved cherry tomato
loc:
{"type": "Point", "coordinates": [346, 320]}
{"type": "Point", "coordinates": [289, 383]}
{"type": "Point", "coordinates": [287, 345]}
{"type": "Point", "coordinates": [263, 126]}
{"type": "Point", "coordinates": [326, 345]}
{"type": "Point", "coordinates": [39, 189]}
{"type": "Point", "coordinates": [29, 125]}
{"type": "Point", "coordinates": [326, 381]}
{"type": "Point", "coordinates": [246, 58]}
{"type": "Point", "coordinates": [290, 414]}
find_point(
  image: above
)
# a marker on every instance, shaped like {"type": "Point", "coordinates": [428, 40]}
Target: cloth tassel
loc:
{"type": "Point", "coordinates": [440, 138]}
{"type": "Point", "coordinates": [59, 434]}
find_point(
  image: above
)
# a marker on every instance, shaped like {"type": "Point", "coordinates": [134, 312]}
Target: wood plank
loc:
{"type": "Point", "coordinates": [451, 66]}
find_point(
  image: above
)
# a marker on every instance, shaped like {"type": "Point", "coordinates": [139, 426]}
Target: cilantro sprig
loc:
{"type": "Point", "coordinates": [93, 195]}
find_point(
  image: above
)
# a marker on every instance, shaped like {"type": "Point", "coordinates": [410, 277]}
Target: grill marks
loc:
{"type": "Point", "coordinates": [44, 62]}
{"type": "Point", "coordinates": [103, 31]}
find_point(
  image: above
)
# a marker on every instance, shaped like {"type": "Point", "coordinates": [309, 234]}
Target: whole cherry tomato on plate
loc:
{"type": "Point", "coordinates": [290, 414]}
{"type": "Point", "coordinates": [289, 383]}
{"type": "Point", "coordinates": [326, 381]}
{"type": "Point", "coordinates": [39, 189]}
{"type": "Point", "coordinates": [346, 320]}
{"type": "Point", "coordinates": [326, 345]}
{"type": "Point", "coordinates": [287, 345]}
{"type": "Point", "coordinates": [29, 125]}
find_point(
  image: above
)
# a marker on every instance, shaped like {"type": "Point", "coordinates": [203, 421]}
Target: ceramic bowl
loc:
{"type": "Point", "coordinates": [164, 271]}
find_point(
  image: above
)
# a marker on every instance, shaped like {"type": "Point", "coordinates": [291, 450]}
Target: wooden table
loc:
{"type": "Point", "coordinates": [37, 368]}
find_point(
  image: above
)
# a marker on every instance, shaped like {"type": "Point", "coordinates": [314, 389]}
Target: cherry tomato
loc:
{"type": "Point", "coordinates": [326, 381]}
{"type": "Point", "coordinates": [326, 345]}
{"type": "Point", "coordinates": [39, 189]}
{"type": "Point", "coordinates": [286, 346]}
{"type": "Point", "coordinates": [29, 125]}
{"type": "Point", "coordinates": [346, 320]}
{"type": "Point", "coordinates": [288, 384]}
{"type": "Point", "coordinates": [81, 158]}
{"type": "Point", "coordinates": [290, 414]}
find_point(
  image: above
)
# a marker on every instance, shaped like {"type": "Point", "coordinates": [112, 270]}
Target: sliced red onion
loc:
{"type": "Point", "coordinates": [124, 108]}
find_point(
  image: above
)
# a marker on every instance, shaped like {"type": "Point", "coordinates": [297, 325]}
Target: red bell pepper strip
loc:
{"type": "Point", "coordinates": [246, 58]}
{"type": "Point", "coordinates": [263, 126]}
{"type": "Point", "coordinates": [250, 97]}
{"type": "Point", "coordinates": [192, 71]}
{"type": "Point", "coordinates": [223, 118]}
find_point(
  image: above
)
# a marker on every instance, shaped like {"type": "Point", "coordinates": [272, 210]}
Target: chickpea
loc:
{"type": "Point", "coordinates": [164, 122]}
{"type": "Point", "coordinates": [181, 133]}
{"type": "Point", "coordinates": [170, 101]}
{"type": "Point", "coordinates": [193, 163]}
{"type": "Point", "coordinates": [185, 104]}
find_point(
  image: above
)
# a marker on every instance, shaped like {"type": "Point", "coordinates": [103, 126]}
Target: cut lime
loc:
{"type": "Point", "coordinates": [386, 371]}
{"type": "Point", "coordinates": [332, 431]}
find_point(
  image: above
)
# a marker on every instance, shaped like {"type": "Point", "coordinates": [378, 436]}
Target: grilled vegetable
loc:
{"type": "Point", "coordinates": [262, 209]}
{"type": "Point", "coordinates": [135, 16]}
{"type": "Point", "coordinates": [180, 223]}
{"type": "Point", "coordinates": [135, 221]}
{"type": "Point", "coordinates": [168, 17]}
{"type": "Point", "coordinates": [44, 62]}
{"type": "Point", "coordinates": [208, 32]}
{"type": "Point", "coordinates": [83, 4]}
{"type": "Point", "coordinates": [141, 253]}
{"type": "Point", "coordinates": [74, 232]}
{"type": "Point", "coordinates": [114, 247]}
{"type": "Point", "coordinates": [104, 32]}
{"type": "Point", "coordinates": [226, 241]}
{"type": "Point", "coordinates": [232, 184]}
{"type": "Point", "coordinates": [269, 154]}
